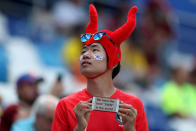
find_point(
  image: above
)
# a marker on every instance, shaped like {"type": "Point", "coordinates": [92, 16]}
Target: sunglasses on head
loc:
{"type": "Point", "coordinates": [96, 36]}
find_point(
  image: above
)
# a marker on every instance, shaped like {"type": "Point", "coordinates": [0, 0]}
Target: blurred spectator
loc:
{"type": "Point", "coordinates": [179, 94]}
{"type": "Point", "coordinates": [42, 115]}
{"type": "Point", "coordinates": [27, 91]}
{"type": "Point", "coordinates": [68, 14]}
{"type": "Point", "coordinates": [156, 30]}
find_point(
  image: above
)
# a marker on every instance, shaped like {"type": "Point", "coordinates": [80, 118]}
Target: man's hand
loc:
{"type": "Point", "coordinates": [82, 112]}
{"type": "Point", "coordinates": [128, 114]}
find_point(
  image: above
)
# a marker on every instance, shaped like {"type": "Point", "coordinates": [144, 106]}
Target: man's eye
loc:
{"type": "Point", "coordinates": [95, 50]}
{"type": "Point", "coordinates": [83, 52]}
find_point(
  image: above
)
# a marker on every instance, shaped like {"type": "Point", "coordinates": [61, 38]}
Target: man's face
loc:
{"type": "Point", "coordinates": [93, 60]}
{"type": "Point", "coordinates": [28, 92]}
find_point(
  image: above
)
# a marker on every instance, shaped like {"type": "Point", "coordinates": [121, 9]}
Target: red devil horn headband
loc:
{"type": "Point", "coordinates": [122, 33]}
{"type": "Point", "coordinates": [93, 24]}
{"type": "Point", "coordinates": [119, 35]}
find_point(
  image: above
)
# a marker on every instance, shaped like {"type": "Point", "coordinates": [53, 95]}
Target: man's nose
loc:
{"type": "Point", "coordinates": [87, 55]}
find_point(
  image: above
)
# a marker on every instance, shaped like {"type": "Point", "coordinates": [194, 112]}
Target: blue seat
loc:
{"type": "Point", "coordinates": [51, 54]}
{"type": "Point", "coordinates": [157, 120]}
{"type": "Point", "coordinates": [3, 65]}
{"type": "Point", "coordinates": [186, 12]}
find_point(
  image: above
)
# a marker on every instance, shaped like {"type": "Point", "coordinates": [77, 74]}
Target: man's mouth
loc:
{"type": "Point", "coordinates": [85, 63]}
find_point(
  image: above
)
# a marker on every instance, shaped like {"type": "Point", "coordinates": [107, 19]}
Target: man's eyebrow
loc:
{"type": "Point", "coordinates": [94, 46]}
{"type": "Point", "coordinates": [84, 47]}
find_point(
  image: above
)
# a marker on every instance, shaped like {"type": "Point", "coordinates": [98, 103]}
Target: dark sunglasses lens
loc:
{"type": "Point", "coordinates": [98, 36]}
{"type": "Point", "coordinates": [85, 37]}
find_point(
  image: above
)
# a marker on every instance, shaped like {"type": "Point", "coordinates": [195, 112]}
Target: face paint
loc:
{"type": "Point", "coordinates": [98, 57]}
{"type": "Point", "coordinates": [81, 57]}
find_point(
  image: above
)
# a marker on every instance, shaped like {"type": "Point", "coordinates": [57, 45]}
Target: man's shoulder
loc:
{"type": "Point", "coordinates": [127, 95]}
{"type": "Point", "coordinates": [129, 98]}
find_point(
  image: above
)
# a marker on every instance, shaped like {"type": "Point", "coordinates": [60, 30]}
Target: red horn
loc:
{"type": "Point", "coordinates": [122, 33]}
{"type": "Point", "coordinates": [93, 24]}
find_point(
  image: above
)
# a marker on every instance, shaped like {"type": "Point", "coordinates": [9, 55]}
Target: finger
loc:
{"type": "Point", "coordinates": [86, 105]}
{"type": "Point", "coordinates": [82, 105]}
{"type": "Point", "coordinates": [129, 107]}
{"type": "Point", "coordinates": [124, 117]}
{"type": "Point", "coordinates": [79, 111]}
{"type": "Point", "coordinates": [127, 112]}
{"type": "Point", "coordinates": [124, 111]}
{"type": "Point", "coordinates": [125, 105]}
{"type": "Point", "coordinates": [121, 102]}
{"type": "Point", "coordinates": [90, 104]}
{"type": "Point", "coordinates": [86, 102]}
{"type": "Point", "coordinates": [89, 100]}
{"type": "Point", "coordinates": [87, 110]}
{"type": "Point", "coordinates": [89, 107]}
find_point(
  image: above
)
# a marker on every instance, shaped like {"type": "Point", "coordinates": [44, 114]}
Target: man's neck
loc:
{"type": "Point", "coordinates": [101, 86]}
{"type": "Point", "coordinates": [24, 104]}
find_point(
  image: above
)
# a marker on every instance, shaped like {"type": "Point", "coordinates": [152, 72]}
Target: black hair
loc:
{"type": "Point", "coordinates": [115, 71]}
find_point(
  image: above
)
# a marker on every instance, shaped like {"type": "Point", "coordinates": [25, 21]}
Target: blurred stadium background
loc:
{"type": "Point", "coordinates": [42, 37]}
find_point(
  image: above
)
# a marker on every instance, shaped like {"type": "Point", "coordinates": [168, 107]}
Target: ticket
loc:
{"type": "Point", "coordinates": [105, 104]}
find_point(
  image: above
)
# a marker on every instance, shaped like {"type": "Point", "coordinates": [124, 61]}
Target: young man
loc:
{"type": "Point", "coordinates": [100, 63]}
